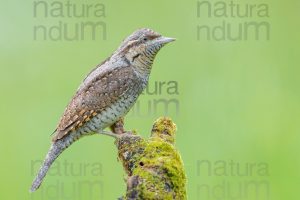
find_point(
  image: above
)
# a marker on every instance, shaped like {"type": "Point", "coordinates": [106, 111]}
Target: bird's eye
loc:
{"type": "Point", "coordinates": [145, 39]}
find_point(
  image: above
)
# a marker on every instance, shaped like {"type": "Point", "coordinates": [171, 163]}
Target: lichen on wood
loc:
{"type": "Point", "coordinates": [154, 167]}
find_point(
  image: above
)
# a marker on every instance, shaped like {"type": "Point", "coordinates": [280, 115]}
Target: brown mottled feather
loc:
{"type": "Point", "coordinates": [93, 96]}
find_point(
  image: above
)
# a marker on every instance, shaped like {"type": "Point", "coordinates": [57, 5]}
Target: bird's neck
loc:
{"type": "Point", "coordinates": [143, 72]}
{"type": "Point", "coordinates": [141, 65]}
{"type": "Point", "coordinates": [142, 69]}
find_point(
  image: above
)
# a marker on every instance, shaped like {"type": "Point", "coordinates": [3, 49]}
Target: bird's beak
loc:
{"type": "Point", "coordinates": [165, 40]}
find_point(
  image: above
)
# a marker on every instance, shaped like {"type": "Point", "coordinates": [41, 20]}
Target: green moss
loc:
{"type": "Point", "coordinates": [154, 164]}
{"type": "Point", "coordinates": [161, 170]}
{"type": "Point", "coordinates": [165, 129]}
{"type": "Point", "coordinates": [130, 149]}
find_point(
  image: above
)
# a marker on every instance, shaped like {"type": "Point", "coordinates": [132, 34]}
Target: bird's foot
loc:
{"type": "Point", "coordinates": [118, 127]}
{"type": "Point", "coordinates": [111, 134]}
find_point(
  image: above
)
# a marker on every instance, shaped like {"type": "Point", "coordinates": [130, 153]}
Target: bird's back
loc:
{"type": "Point", "coordinates": [104, 96]}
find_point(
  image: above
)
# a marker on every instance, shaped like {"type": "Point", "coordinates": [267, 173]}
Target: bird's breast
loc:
{"type": "Point", "coordinates": [109, 115]}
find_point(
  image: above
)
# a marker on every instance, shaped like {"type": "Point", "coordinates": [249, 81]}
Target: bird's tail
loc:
{"type": "Point", "coordinates": [55, 150]}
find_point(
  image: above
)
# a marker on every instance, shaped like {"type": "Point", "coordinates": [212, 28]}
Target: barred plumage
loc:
{"type": "Point", "coordinates": [106, 94]}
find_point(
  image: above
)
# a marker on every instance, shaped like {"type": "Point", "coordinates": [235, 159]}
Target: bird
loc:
{"type": "Point", "coordinates": [106, 95]}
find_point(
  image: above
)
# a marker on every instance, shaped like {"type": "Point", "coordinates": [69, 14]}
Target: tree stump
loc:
{"type": "Point", "coordinates": [153, 166]}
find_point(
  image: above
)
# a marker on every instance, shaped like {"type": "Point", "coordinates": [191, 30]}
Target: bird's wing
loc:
{"type": "Point", "coordinates": [92, 98]}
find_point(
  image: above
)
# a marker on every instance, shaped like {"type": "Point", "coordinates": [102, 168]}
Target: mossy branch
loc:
{"type": "Point", "coordinates": [153, 166]}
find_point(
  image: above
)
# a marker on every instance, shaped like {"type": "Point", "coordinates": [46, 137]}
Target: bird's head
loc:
{"type": "Point", "coordinates": [141, 47]}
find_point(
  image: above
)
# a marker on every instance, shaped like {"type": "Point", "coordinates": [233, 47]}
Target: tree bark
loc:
{"type": "Point", "coordinates": [153, 166]}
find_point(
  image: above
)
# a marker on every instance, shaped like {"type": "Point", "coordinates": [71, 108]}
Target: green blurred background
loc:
{"type": "Point", "coordinates": [238, 100]}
